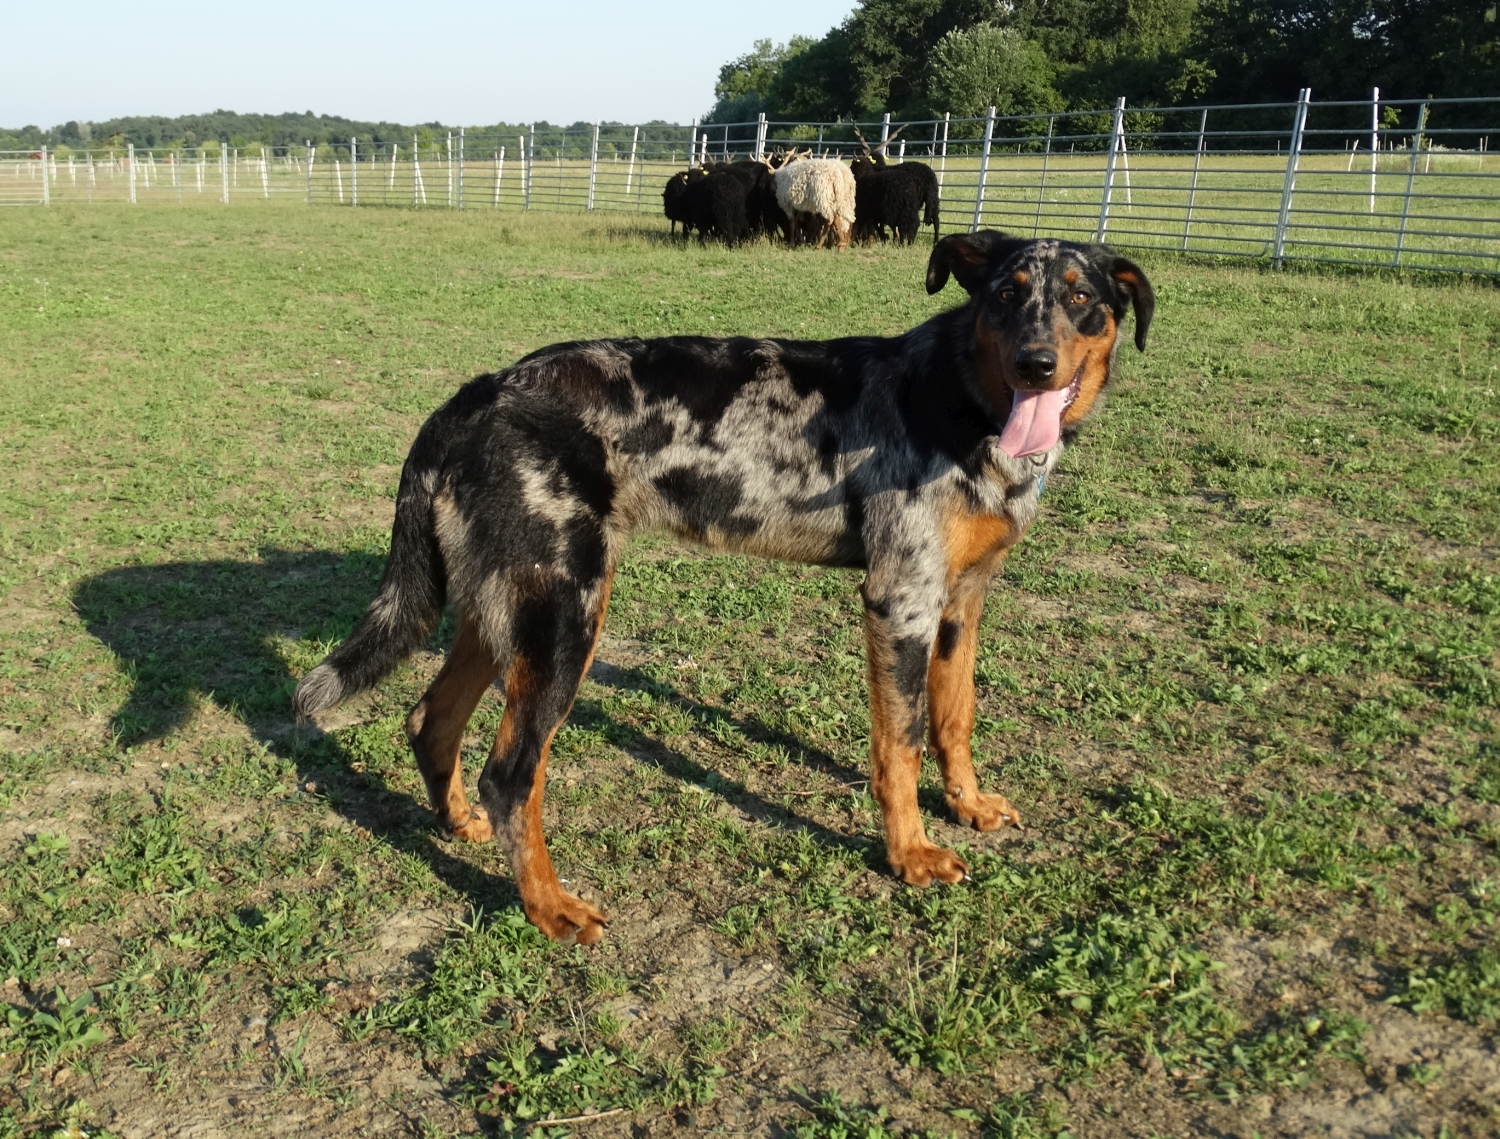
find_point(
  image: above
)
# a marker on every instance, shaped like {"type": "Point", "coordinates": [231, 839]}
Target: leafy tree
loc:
{"type": "Point", "coordinates": [972, 69]}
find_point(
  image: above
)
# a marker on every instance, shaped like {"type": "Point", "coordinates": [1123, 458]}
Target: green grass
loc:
{"type": "Point", "coordinates": [1240, 679]}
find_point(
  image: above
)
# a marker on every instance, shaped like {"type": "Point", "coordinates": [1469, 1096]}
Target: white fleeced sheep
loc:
{"type": "Point", "coordinates": [817, 192]}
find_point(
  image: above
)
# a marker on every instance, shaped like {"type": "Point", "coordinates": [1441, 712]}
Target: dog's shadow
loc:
{"type": "Point", "coordinates": [185, 632]}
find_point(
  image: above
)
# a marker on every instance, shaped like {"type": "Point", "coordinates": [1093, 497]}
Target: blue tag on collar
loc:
{"type": "Point", "coordinates": [1041, 485]}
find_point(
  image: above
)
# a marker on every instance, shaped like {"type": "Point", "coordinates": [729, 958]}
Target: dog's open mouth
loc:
{"type": "Point", "coordinates": [1035, 422]}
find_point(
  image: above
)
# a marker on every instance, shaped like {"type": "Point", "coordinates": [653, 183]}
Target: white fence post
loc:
{"type": "Point", "coordinates": [943, 160]}
{"type": "Point", "coordinates": [593, 166]}
{"type": "Point", "coordinates": [984, 168]}
{"type": "Point", "coordinates": [460, 167]}
{"type": "Point", "coordinates": [1411, 177]}
{"type": "Point", "coordinates": [1117, 132]}
{"type": "Point", "coordinates": [1041, 190]}
{"type": "Point", "coordinates": [353, 171]}
{"type": "Point", "coordinates": [129, 167]}
{"type": "Point", "coordinates": [1289, 185]}
{"type": "Point", "coordinates": [265, 173]}
{"type": "Point", "coordinates": [760, 137]}
{"type": "Point", "coordinates": [1187, 224]}
{"type": "Point", "coordinates": [693, 143]}
{"type": "Point", "coordinates": [390, 186]}
{"type": "Point", "coordinates": [499, 173]}
{"type": "Point", "coordinates": [47, 181]}
{"type": "Point", "coordinates": [1374, 142]}
{"type": "Point", "coordinates": [312, 153]}
{"type": "Point", "coordinates": [449, 156]}
{"type": "Point", "coordinates": [529, 143]}
{"type": "Point", "coordinates": [224, 171]}
{"type": "Point", "coordinates": [885, 132]}
{"type": "Point", "coordinates": [635, 137]}
{"type": "Point", "coordinates": [418, 191]}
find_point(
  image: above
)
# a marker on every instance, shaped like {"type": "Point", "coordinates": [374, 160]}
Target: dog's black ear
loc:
{"type": "Point", "coordinates": [966, 256]}
{"type": "Point", "coordinates": [1131, 285]}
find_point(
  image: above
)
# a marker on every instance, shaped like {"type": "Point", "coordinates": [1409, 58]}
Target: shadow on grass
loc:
{"type": "Point", "coordinates": [193, 630]}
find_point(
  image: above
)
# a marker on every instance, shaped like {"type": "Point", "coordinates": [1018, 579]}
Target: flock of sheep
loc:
{"type": "Point", "coordinates": [801, 199]}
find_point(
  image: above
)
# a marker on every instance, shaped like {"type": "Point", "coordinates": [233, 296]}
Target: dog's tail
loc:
{"type": "Point", "coordinates": [408, 603]}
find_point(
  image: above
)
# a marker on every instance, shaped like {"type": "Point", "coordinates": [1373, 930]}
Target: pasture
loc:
{"type": "Point", "coordinates": [1239, 679]}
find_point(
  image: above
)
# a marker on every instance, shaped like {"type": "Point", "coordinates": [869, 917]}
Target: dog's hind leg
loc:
{"type": "Point", "coordinates": [555, 633]}
{"type": "Point", "coordinates": [950, 700]}
{"type": "Point", "coordinates": [436, 728]}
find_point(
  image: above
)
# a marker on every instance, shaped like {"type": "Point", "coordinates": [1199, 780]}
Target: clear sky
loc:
{"type": "Point", "coordinates": [455, 61]}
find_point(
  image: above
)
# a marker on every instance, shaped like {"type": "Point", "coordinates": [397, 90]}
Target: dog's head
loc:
{"type": "Point", "coordinates": [1047, 316]}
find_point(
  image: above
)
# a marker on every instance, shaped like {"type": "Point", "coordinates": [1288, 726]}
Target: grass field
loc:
{"type": "Point", "coordinates": [1240, 680]}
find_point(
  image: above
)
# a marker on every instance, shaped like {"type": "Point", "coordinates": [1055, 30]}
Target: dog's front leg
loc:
{"type": "Point", "coordinates": [899, 629]}
{"type": "Point", "coordinates": [950, 696]}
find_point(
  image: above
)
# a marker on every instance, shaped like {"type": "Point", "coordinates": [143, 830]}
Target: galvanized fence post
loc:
{"type": "Point", "coordinates": [460, 167]}
{"type": "Point", "coordinates": [265, 173]}
{"type": "Point", "coordinates": [1115, 135]}
{"type": "Point", "coordinates": [47, 181]}
{"type": "Point", "coordinates": [692, 142]}
{"type": "Point", "coordinates": [312, 152]}
{"type": "Point", "coordinates": [593, 167]}
{"type": "Point", "coordinates": [885, 132]}
{"type": "Point", "coordinates": [984, 168]}
{"type": "Point", "coordinates": [1411, 177]}
{"type": "Point", "coordinates": [449, 165]}
{"type": "Point", "coordinates": [635, 137]}
{"type": "Point", "coordinates": [223, 174]}
{"type": "Point", "coordinates": [353, 171]}
{"type": "Point", "coordinates": [1374, 142]}
{"type": "Point", "coordinates": [1289, 183]}
{"type": "Point", "coordinates": [129, 169]}
{"type": "Point", "coordinates": [1041, 189]}
{"type": "Point", "coordinates": [760, 137]}
{"type": "Point", "coordinates": [1187, 224]}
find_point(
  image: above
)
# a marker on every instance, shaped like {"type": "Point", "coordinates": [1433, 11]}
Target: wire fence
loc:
{"type": "Point", "coordinates": [1402, 183]}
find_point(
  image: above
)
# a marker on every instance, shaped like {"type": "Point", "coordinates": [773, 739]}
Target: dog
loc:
{"type": "Point", "coordinates": [919, 459]}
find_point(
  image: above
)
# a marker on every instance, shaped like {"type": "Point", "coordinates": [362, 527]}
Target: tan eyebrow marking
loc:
{"type": "Point", "coordinates": [1071, 276]}
{"type": "Point", "coordinates": [1021, 278]}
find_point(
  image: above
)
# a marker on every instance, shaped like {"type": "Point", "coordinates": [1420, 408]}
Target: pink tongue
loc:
{"type": "Point", "coordinates": [1035, 423]}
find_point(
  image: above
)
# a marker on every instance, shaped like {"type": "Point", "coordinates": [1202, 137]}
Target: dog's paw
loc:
{"type": "Point", "coordinates": [476, 829]}
{"type": "Point", "coordinates": [984, 812]}
{"type": "Point", "coordinates": [567, 919]}
{"type": "Point", "coordinates": [925, 864]}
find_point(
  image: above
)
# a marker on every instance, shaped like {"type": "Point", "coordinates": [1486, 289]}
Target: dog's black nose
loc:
{"type": "Point", "coordinates": [1036, 364]}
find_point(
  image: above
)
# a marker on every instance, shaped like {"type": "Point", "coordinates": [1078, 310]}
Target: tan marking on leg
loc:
{"type": "Point", "coordinates": [435, 729]}
{"type": "Point", "coordinates": [894, 765]}
{"type": "Point", "coordinates": [560, 915]}
{"type": "Point", "coordinates": [950, 703]}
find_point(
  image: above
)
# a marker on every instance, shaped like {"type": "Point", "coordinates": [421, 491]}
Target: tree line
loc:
{"type": "Point", "coordinates": [922, 58]}
{"type": "Point", "coordinates": [244, 131]}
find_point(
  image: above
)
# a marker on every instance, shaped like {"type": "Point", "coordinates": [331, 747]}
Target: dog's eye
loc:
{"type": "Point", "coordinates": [1080, 298]}
{"type": "Point", "coordinates": [1007, 294]}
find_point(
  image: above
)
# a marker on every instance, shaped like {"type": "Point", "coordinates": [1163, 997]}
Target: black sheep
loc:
{"type": "Point", "coordinates": [716, 207]}
{"type": "Point", "coordinates": [674, 199]}
{"type": "Point", "coordinates": [761, 208]}
{"type": "Point", "coordinates": [903, 197]}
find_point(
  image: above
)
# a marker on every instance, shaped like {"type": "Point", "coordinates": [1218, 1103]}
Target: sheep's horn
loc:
{"type": "Point", "coordinates": [862, 141]}
{"type": "Point", "coordinates": [890, 138]}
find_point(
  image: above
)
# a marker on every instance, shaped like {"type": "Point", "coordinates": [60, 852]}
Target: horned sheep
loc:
{"type": "Point", "coordinates": [818, 193]}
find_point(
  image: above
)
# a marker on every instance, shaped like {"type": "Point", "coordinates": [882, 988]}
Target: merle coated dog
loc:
{"type": "Point", "coordinates": [919, 459]}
